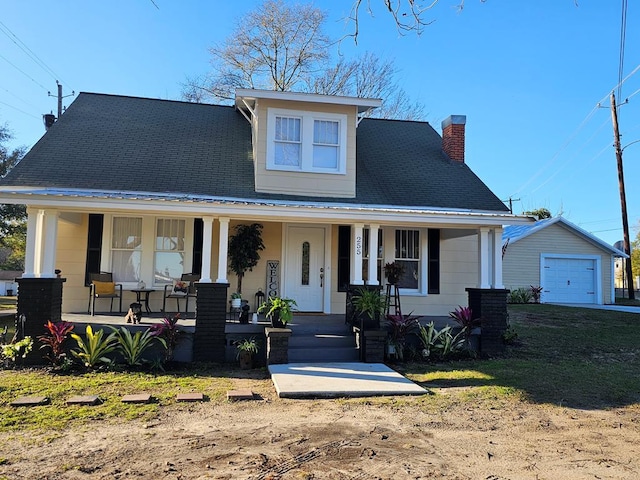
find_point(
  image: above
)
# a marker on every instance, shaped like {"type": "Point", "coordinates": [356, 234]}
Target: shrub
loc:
{"type": "Point", "coordinates": [535, 293]}
{"type": "Point", "coordinates": [20, 349]}
{"type": "Point", "coordinates": [169, 332]}
{"type": "Point", "coordinates": [519, 295]}
{"type": "Point", "coordinates": [132, 347]}
{"type": "Point", "coordinates": [399, 327]}
{"type": "Point", "coordinates": [57, 334]}
{"type": "Point", "coordinates": [92, 351]}
{"type": "Point", "coordinates": [440, 343]}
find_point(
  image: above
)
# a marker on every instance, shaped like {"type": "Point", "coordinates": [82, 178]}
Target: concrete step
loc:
{"type": "Point", "coordinates": [321, 340]}
{"type": "Point", "coordinates": [314, 355]}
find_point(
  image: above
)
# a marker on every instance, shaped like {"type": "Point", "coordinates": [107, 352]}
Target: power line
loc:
{"type": "Point", "coordinates": [21, 99]}
{"type": "Point", "coordinates": [24, 73]}
{"type": "Point", "coordinates": [30, 53]}
{"type": "Point", "coordinates": [21, 111]}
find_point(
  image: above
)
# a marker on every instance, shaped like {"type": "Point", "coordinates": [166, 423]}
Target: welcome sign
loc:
{"type": "Point", "coordinates": [273, 278]}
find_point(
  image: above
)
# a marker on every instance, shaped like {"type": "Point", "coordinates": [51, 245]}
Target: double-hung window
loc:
{"type": "Point", "coordinates": [303, 141]}
{"type": "Point", "coordinates": [408, 253]}
{"type": "Point", "coordinates": [169, 250]}
{"type": "Point", "coordinates": [126, 248]}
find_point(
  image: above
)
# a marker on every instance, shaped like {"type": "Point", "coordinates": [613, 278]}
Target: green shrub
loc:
{"type": "Point", "coordinates": [520, 295]}
{"type": "Point", "coordinates": [132, 347]}
{"type": "Point", "coordinates": [92, 351]}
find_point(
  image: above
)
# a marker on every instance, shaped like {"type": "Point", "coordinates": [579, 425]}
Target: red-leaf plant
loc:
{"type": "Point", "coordinates": [169, 332]}
{"type": "Point", "coordinates": [464, 317]}
{"type": "Point", "coordinates": [400, 326]}
{"type": "Point", "coordinates": [58, 332]}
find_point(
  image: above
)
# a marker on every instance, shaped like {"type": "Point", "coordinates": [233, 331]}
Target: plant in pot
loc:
{"type": "Point", "coordinates": [393, 271]}
{"type": "Point", "coordinates": [279, 310]}
{"type": "Point", "coordinates": [236, 300]}
{"type": "Point", "coordinates": [244, 250]}
{"type": "Point", "coordinates": [369, 306]}
{"type": "Point", "coordinates": [247, 348]}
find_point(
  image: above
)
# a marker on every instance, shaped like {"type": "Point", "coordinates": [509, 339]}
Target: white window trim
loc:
{"type": "Point", "coordinates": [306, 131]}
{"type": "Point", "coordinates": [389, 239]}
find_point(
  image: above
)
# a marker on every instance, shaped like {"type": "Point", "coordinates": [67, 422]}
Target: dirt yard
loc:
{"type": "Point", "coordinates": [392, 438]}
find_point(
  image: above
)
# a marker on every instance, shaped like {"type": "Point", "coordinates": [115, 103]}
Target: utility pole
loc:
{"type": "Point", "coordinates": [511, 200]}
{"type": "Point", "coordinates": [623, 197]}
{"type": "Point", "coordinates": [60, 97]}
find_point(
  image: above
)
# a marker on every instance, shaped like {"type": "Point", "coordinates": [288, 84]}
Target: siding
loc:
{"type": "Point", "coordinates": [521, 265]}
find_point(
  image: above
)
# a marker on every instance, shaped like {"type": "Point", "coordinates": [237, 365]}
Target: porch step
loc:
{"type": "Point", "coordinates": [327, 346]}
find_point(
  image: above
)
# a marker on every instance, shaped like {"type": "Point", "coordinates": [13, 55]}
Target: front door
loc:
{"type": "Point", "coordinates": [304, 269]}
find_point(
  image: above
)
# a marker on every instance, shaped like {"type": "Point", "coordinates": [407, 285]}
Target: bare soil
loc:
{"type": "Point", "coordinates": [392, 438]}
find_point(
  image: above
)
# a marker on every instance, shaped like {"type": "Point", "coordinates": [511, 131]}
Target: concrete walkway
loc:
{"type": "Point", "coordinates": [332, 380]}
{"type": "Point", "coordinates": [613, 308]}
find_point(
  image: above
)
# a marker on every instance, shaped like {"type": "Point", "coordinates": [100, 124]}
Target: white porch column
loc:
{"type": "Point", "coordinates": [483, 258]}
{"type": "Point", "coordinates": [223, 248]}
{"type": "Point", "coordinates": [357, 246]}
{"type": "Point", "coordinates": [207, 240]}
{"type": "Point", "coordinates": [373, 255]}
{"type": "Point", "coordinates": [37, 265]}
{"type": "Point", "coordinates": [30, 247]}
{"type": "Point", "coordinates": [50, 222]}
{"type": "Point", "coordinates": [497, 258]}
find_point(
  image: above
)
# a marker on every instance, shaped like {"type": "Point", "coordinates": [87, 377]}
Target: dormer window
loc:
{"type": "Point", "coordinates": [306, 141]}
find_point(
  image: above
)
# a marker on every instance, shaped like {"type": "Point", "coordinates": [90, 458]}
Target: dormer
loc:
{"type": "Point", "coordinates": [303, 143]}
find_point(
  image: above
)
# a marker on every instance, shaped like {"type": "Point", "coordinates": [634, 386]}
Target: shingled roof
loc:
{"type": "Point", "coordinates": [127, 144]}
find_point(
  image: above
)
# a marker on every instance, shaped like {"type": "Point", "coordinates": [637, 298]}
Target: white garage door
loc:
{"type": "Point", "coordinates": [569, 280]}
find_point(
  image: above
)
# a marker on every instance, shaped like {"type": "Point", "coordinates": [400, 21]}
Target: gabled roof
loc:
{"type": "Point", "coordinates": [514, 233]}
{"type": "Point", "coordinates": [114, 143]}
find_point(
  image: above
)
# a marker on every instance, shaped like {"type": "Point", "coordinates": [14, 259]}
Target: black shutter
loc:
{"type": "Point", "coordinates": [196, 266]}
{"type": "Point", "coordinates": [94, 246]}
{"type": "Point", "coordinates": [433, 260]}
{"type": "Point", "coordinates": [344, 257]}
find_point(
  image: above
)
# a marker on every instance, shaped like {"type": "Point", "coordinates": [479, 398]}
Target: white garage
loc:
{"type": "Point", "coordinates": [570, 264]}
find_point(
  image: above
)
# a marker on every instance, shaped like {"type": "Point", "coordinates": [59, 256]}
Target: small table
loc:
{"type": "Point", "coordinates": [144, 300]}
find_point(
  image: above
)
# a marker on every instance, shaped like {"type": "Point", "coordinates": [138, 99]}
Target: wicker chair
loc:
{"type": "Point", "coordinates": [103, 286]}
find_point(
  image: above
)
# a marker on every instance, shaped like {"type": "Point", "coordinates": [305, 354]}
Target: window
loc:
{"type": "Point", "coordinates": [306, 141]}
{"type": "Point", "coordinates": [288, 145]}
{"type": "Point", "coordinates": [126, 249]}
{"type": "Point", "coordinates": [169, 250]}
{"type": "Point", "coordinates": [407, 252]}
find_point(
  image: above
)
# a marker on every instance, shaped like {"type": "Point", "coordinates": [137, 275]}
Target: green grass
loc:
{"type": "Point", "coordinates": [567, 356]}
{"type": "Point", "coordinates": [8, 303]}
{"type": "Point", "coordinates": [213, 381]}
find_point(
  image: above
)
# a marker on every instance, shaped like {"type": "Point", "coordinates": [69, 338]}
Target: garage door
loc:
{"type": "Point", "coordinates": [569, 280]}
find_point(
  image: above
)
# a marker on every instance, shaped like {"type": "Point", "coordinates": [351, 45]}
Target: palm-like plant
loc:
{"type": "Point", "coordinates": [169, 333]}
{"type": "Point", "coordinates": [92, 351]}
{"type": "Point", "coordinates": [132, 347]}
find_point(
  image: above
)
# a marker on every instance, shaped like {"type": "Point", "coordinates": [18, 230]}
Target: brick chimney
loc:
{"type": "Point", "coordinates": [453, 137]}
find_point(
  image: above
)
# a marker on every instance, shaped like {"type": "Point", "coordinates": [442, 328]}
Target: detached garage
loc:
{"type": "Point", "coordinates": [570, 264]}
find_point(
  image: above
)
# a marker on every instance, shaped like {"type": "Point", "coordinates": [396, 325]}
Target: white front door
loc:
{"type": "Point", "coordinates": [304, 269]}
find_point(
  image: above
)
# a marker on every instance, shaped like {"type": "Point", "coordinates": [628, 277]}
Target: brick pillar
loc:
{"type": "Point", "coordinates": [39, 300]}
{"type": "Point", "coordinates": [211, 317]}
{"type": "Point", "coordinates": [491, 306]}
{"type": "Point", "coordinates": [373, 345]}
{"type": "Point", "coordinates": [277, 345]}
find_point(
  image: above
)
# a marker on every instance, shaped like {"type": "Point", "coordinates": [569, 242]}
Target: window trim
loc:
{"type": "Point", "coordinates": [390, 245]}
{"type": "Point", "coordinates": [157, 250]}
{"type": "Point", "coordinates": [307, 119]}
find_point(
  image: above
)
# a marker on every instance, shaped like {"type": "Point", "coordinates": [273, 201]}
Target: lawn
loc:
{"type": "Point", "coordinates": [569, 357]}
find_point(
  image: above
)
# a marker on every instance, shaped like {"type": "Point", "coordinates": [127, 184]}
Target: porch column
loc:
{"type": "Point", "coordinates": [497, 258]}
{"type": "Point", "coordinates": [207, 233]}
{"type": "Point", "coordinates": [37, 267]}
{"type": "Point", "coordinates": [50, 221]}
{"type": "Point", "coordinates": [30, 247]}
{"type": "Point", "coordinates": [483, 258]}
{"type": "Point", "coordinates": [357, 246]}
{"type": "Point", "coordinates": [223, 248]}
{"type": "Point", "coordinates": [373, 255]}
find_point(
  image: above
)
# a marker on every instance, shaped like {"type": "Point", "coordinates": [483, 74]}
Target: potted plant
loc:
{"type": "Point", "coordinates": [278, 310]}
{"type": "Point", "coordinates": [247, 348]}
{"type": "Point", "coordinates": [236, 300]}
{"type": "Point", "coordinates": [244, 250]}
{"type": "Point", "coordinates": [369, 306]}
{"type": "Point", "coordinates": [393, 271]}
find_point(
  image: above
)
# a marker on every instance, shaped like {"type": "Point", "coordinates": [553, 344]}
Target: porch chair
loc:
{"type": "Point", "coordinates": [170, 291]}
{"type": "Point", "coordinates": [103, 286]}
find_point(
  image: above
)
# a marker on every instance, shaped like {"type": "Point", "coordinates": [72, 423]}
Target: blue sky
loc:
{"type": "Point", "coordinates": [529, 79]}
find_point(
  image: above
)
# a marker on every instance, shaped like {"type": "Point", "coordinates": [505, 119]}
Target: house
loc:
{"type": "Point", "coordinates": [149, 189]}
{"type": "Point", "coordinates": [570, 264]}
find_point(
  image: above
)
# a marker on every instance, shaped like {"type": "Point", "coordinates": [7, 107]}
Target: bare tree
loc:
{"type": "Point", "coordinates": [275, 47]}
{"type": "Point", "coordinates": [283, 47]}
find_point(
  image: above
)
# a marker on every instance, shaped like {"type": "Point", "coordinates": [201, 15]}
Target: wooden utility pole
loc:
{"type": "Point", "coordinates": [623, 197]}
{"type": "Point", "coordinates": [60, 97]}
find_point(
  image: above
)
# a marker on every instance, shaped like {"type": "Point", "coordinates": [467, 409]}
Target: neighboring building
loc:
{"type": "Point", "coordinates": [570, 264]}
{"type": "Point", "coordinates": [150, 189]}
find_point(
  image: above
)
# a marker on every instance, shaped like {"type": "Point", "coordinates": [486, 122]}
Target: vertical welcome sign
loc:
{"type": "Point", "coordinates": [273, 278]}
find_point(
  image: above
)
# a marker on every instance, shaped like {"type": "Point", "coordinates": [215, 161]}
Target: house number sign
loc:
{"type": "Point", "coordinates": [273, 278]}
{"type": "Point", "coordinates": [359, 246]}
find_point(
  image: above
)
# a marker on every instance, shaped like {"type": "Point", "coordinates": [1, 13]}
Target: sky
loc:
{"type": "Point", "coordinates": [533, 80]}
